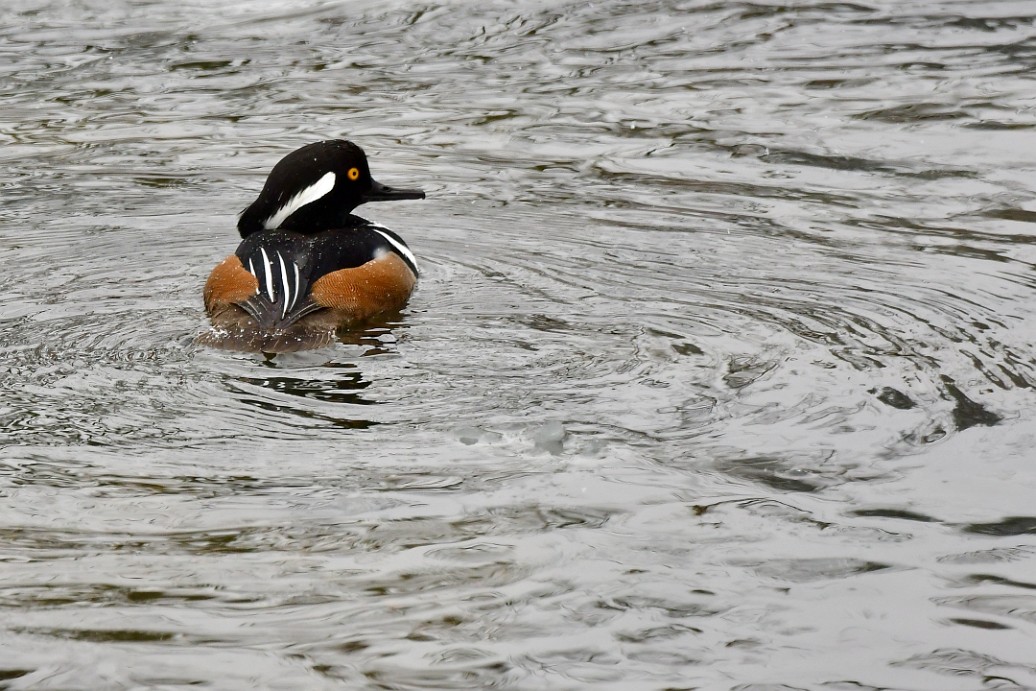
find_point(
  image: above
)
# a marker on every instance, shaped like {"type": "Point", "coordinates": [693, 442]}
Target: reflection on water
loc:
{"type": "Point", "coordinates": [719, 374]}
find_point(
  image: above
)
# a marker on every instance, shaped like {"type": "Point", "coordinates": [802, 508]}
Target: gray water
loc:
{"type": "Point", "coordinates": [719, 374]}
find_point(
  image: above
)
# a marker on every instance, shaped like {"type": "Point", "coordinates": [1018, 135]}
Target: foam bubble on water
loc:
{"type": "Point", "coordinates": [550, 437]}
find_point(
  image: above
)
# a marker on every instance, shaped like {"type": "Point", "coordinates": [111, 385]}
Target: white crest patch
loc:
{"type": "Point", "coordinates": [307, 196]}
{"type": "Point", "coordinates": [397, 245]}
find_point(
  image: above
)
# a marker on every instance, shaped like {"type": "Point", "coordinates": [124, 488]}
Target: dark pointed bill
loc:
{"type": "Point", "coordinates": [384, 193]}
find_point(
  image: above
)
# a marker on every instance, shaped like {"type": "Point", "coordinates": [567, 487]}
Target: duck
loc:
{"type": "Point", "coordinates": [307, 267]}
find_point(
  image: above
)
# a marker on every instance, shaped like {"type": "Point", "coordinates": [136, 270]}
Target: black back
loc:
{"type": "Point", "coordinates": [287, 264]}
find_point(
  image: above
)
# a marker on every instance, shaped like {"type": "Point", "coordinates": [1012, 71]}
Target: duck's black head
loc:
{"type": "Point", "coordinates": [316, 188]}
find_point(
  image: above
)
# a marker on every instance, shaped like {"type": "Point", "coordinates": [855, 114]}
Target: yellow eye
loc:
{"type": "Point", "coordinates": [353, 174]}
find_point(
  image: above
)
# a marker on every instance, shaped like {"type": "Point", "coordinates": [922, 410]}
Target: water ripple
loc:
{"type": "Point", "coordinates": [719, 373]}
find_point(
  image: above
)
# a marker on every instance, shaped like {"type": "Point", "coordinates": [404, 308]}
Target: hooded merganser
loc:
{"type": "Point", "coordinates": [307, 266]}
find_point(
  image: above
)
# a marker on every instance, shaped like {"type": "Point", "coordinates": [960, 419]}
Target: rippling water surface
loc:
{"type": "Point", "coordinates": [720, 373]}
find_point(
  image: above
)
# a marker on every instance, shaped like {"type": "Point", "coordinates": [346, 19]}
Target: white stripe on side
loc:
{"type": "Point", "coordinates": [287, 286]}
{"type": "Point", "coordinates": [266, 272]}
{"type": "Point", "coordinates": [297, 284]}
{"type": "Point", "coordinates": [397, 245]}
{"type": "Point", "coordinates": [307, 196]}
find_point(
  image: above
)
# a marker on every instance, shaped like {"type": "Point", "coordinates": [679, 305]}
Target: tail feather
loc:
{"type": "Point", "coordinates": [249, 339]}
{"type": "Point", "coordinates": [274, 316]}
